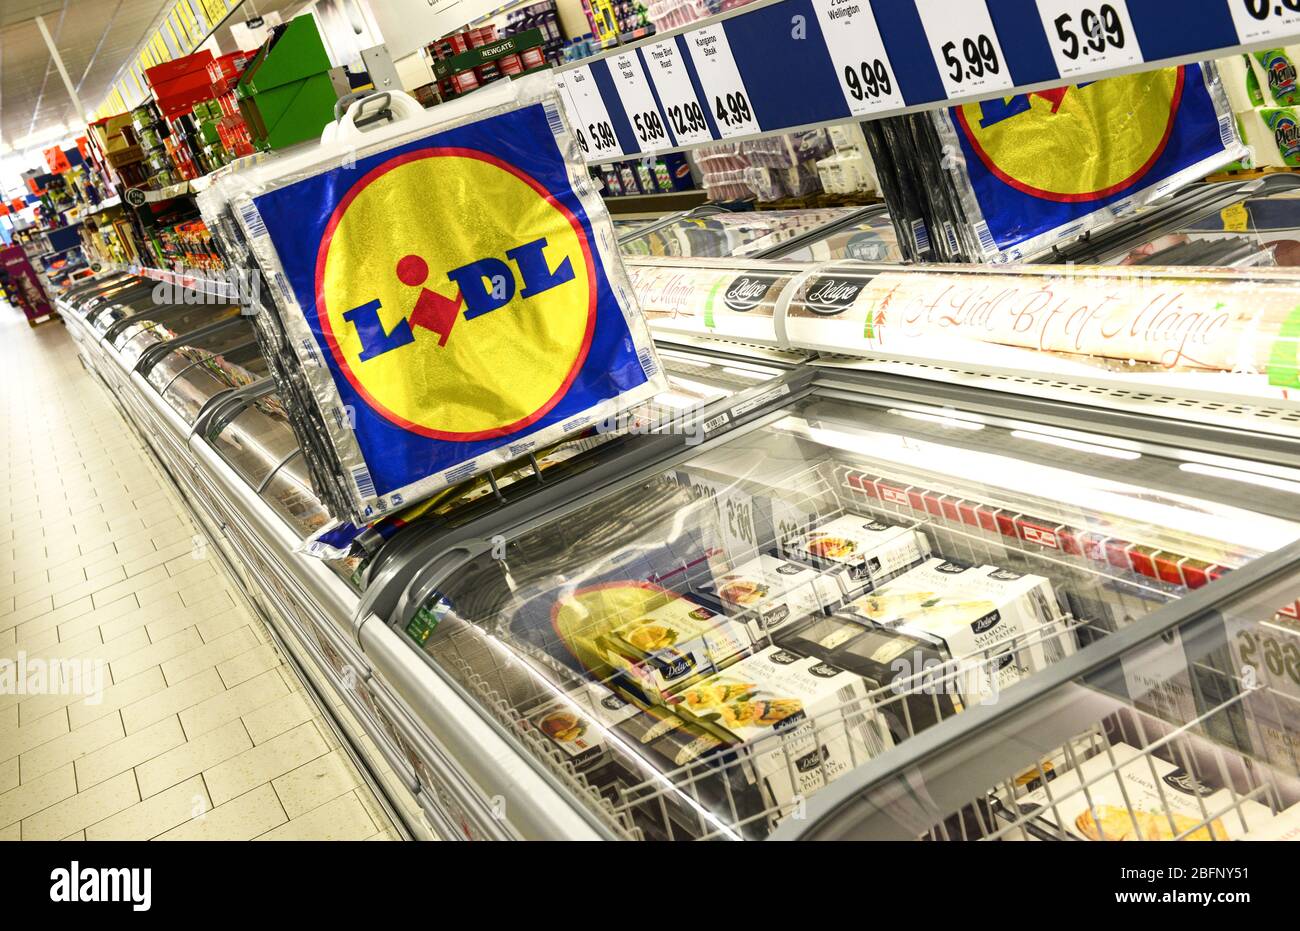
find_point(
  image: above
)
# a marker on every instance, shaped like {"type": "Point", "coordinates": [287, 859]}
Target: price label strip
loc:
{"type": "Point", "coordinates": [858, 53]}
{"type": "Point", "coordinates": [1087, 35]}
{"type": "Point", "coordinates": [682, 107]}
{"type": "Point", "coordinates": [648, 122]}
{"type": "Point", "coordinates": [1259, 20]}
{"type": "Point", "coordinates": [594, 129]}
{"type": "Point", "coordinates": [724, 89]}
{"type": "Point", "coordinates": [965, 46]}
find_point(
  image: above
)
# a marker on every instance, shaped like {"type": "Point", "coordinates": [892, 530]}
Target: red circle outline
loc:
{"type": "Point", "coordinates": [1079, 198]}
{"type": "Point", "coordinates": [327, 329]}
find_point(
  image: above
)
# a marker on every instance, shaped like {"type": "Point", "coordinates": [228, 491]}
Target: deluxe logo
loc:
{"type": "Point", "coordinates": [456, 330]}
{"type": "Point", "coordinates": [747, 292]}
{"type": "Point", "coordinates": [823, 671]}
{"type": "Point", "coordinates": [1005, 575]}
{"type": "Point", "coordinates": [987, 622]}
{"type": "Point", "coordinates": [789, 569]}
{"type": "Point", "coordinates": [674, 665]}
{"type": "Point", "coordinates": [1007, 134]}
{"type": "Point", "coordinates": [783, 658]}
{"type": "Point", "coordinates": [951, 568]}
{"type": "Point", "coordinates": [830, 297]}
{"type": "Point", "coordinates": [1185, 782]}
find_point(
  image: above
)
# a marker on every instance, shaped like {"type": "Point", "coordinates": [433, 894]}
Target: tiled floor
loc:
{"type": "Point", "coordinates": [200, 731]}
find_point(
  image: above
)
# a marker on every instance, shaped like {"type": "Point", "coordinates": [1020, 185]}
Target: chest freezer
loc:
{"type": "Point", "coordinates": [702, 645]}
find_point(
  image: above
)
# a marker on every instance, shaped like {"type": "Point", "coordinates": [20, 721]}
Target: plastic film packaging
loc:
{"type": "Point", "coordinates": [1041, 169]}
{"type": "Point", "coordinates": [448, 288]}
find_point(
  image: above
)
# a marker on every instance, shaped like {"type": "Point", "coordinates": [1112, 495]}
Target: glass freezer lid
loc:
{"type": "Point", "coordinates": [289, 494]}
{"type": "Point", "coordinates": [712, 646]}
{"type": "Point", "coordinates": [871, 239]}
{"type": "Point", "coordinates": [168, 323]}
{"type": "Point", "coordinates": [254, 443]}
{"type": "Point", "coordinates": [129, 302]}
{"type": "Point", "coordinates": [190, 391]}
{"type": "Point", "coordinates": [236, 332]}
{"type": "Point", "coordinates": [731, 234]}
{"type": "Point", "coordinates": [129, 287]}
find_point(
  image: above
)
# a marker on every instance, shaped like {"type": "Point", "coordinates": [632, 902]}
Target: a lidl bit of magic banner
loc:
{"type": "Point", "coordinates": [1046, 166]}
{"type": "Point", "coordinates": [454, 290]}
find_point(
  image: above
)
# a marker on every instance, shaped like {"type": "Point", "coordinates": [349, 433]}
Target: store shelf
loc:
{"type": "Point", "coordinates": [770, 67]}
{"type": "Point", "coordinates": [655, 204]}
{"type": "Point", "coordinates": [138, 197]}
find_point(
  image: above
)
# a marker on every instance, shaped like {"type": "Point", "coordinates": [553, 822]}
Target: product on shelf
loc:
{"type": "Point", "coordinates": [998, 625]}
{"type": "Point", "coordinates": [408, 435]}
{"type": "Point", "coordinates": [771, 593]}
{"type": "Point", "coordinates": [285, 93]}
{"type": "Point", "coordinates": [1126, 794]}
{"type": "Point", "coordinates": [860, 552]}
{"type": "Point", "coordinates": [800, 722]}
{"type": "Point", "coordinates": [672, 646]}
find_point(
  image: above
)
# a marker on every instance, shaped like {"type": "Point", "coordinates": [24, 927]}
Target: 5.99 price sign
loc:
{"type": "Point", "coordinates": [965, 46]}
{"type": "Point", "coordinates": [1088, 35]}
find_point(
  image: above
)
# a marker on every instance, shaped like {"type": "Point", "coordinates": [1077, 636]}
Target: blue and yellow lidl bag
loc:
{"type": "Point", "coordinates": [1042, 168]}
{"type": "Point", "coordinates": [451, 287]}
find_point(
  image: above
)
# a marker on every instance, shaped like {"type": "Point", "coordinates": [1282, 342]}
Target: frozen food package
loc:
{"type": "Point", "coordinates": [860, 552]}
{"type": "Point", "coordinates": [1127, 795]}
{"type": "Point", "coordinates": [889, 145]}
{"type": "Point", "coordinates": [1273, 134]}
{"type": "Point", "coordinates": [667, 648]}
{"type": "Point", "coordinates": [436, 349]}
{"type": "Point", "coordinates": [1042, 168]}
{"type": "Point", "coordinates": [801, 722]}
{"type": "Point", "coordinates": [998, 626]}
{"type": "Point", "coordinates": [769, 593]}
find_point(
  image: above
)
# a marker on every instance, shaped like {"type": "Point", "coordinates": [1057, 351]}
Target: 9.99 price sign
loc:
{"type": "Point", "coordinates": [1089, 35]}
{"type": "Point", "coordinates": [858, 54]}
{"type": "Point", "coordinates": [965, 46]}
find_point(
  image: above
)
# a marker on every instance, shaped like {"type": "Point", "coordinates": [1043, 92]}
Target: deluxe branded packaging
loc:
{"type": "Point", "coordinates": [859, 551]}
{"type": "Point", "coordinates": [998, 625]}
{"type": "Point", "coordinates": [674, 645]}
{"type": "Point", "coordinates": [431, 348]}
{"type": "Point", "coordinates": [1143, 798]}
{"type": "Point", "coordinates": [569, 724]}
{"type": "Point", "coordinates": [801, 722]}
{"type": "Point", "coordinates": [904, 673]}
{"type": "Point", "coordinates": [769, 593]}
{"type": "Point", "coordinates": [1040, 169]}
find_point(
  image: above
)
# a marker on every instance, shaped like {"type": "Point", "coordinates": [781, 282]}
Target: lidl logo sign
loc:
{"type": "Point", "coordinates": [443, 324]}
{"type": "Point", "coordinates": [1118, 129]}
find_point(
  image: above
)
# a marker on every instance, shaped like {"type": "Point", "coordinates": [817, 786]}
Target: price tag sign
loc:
{"type": "Point", "coordinates": [858, 53]}
{"type": "Point", "coordinates": [965, 46]}
{"type": "Point", "coordinates": [593, 128]}
{"type": "Point", "coordinates": [1089, 35]}
{"type": "Point", "coordinates": [1257, 20]}
{"type": "Point", "coordinates": [648, 123]}
{"type": "Point", "coordinates": [681, 106]}
{"type": "Point", "coordinates": [724, 89]}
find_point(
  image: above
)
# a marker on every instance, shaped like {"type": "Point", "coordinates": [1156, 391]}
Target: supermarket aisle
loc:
{"type": "Point", "coordinates": [200, 730]}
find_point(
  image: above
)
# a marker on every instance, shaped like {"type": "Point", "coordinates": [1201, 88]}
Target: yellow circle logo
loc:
{"type": "Point", "coordinates": [1115, 130]}
{"type": "Point", "coordinates": [456, 327]}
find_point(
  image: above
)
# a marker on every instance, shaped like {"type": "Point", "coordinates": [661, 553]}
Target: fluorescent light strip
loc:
{"type": "Point", "coordinates": [1075, 445]}
{"type": "Point", "coordinates": [943, 420]}
{"type": "Point", "coordinates": [1236, 475]}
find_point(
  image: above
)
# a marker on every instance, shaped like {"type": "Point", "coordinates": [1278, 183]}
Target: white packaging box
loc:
{"type": "Point", "coordinates": [1146, 798]}
{"type": "Point", "coordinates": [1284, 826]}
{"type": "Point", "coordinates": [770, 593]}
{"type": "Point", "coordinates": [859, 551]}
{"type": "Point", "coordinates": [974, 611]}
{"type": "Point", "coordinates": [776, 692]}
{"type": "Point", "coordinates": [673, 646]}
